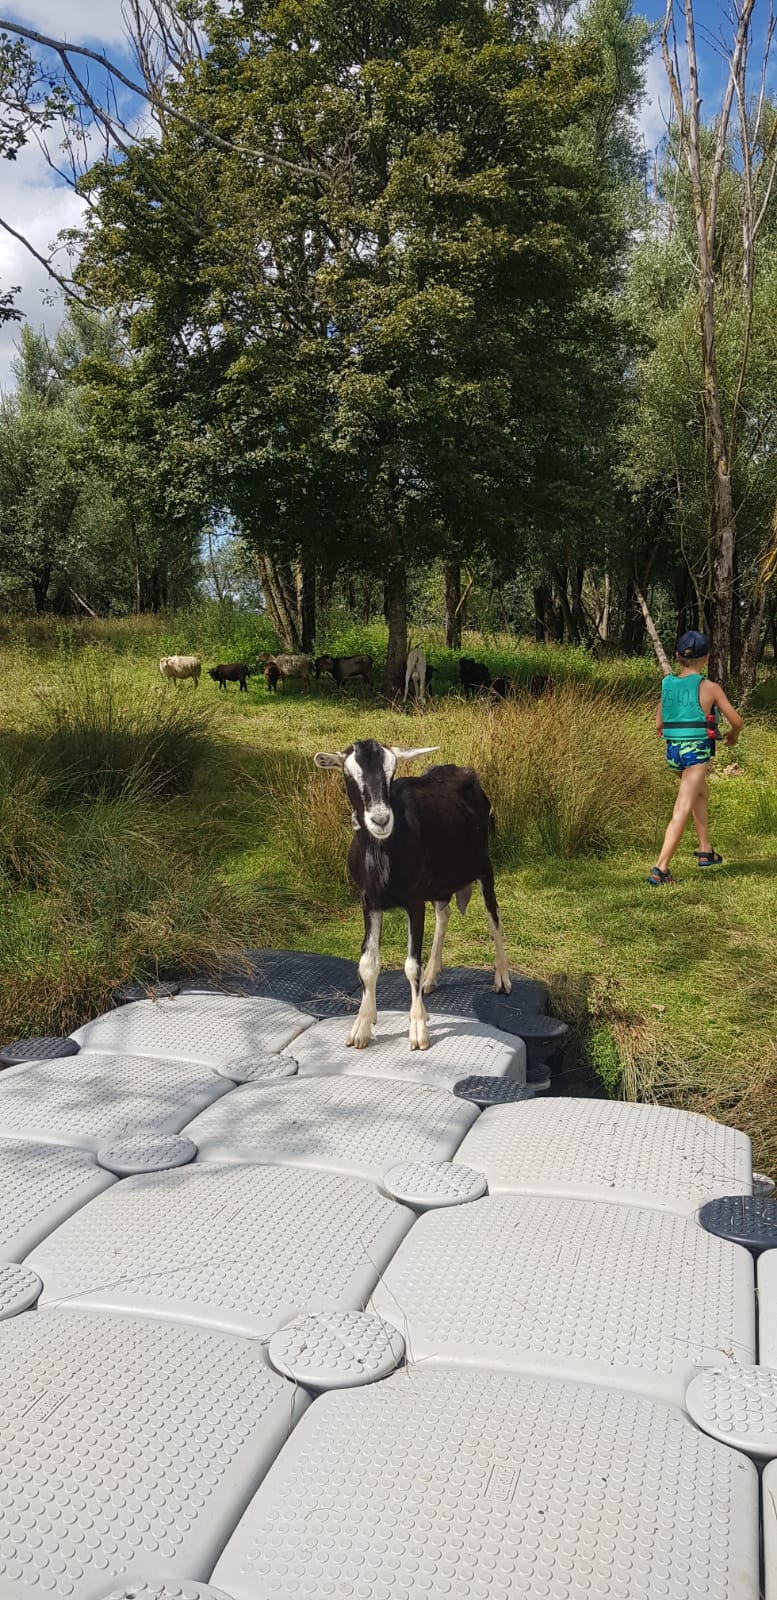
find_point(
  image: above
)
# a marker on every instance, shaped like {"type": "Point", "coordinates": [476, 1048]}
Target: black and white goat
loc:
{"type": "Point", "coordinates": [415, 839]}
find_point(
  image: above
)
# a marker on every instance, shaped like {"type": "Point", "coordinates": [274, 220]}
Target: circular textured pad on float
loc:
{"type": "Point", "coordinates": [166, 1589]}
{"type": "Point", "coordinates": [748, 1219]}
{"type": "Point", "coordinates": [428, 1184]}
{"type": "Point", "coordinates": [146, 1152]}
{"type": "Point", "coordinates": [737, 1405]}
{"type": "Point", "coordinates": [19, 1288]}
{"type": "Point", "coordinates": [483, 1091]}
{"type": "Point", "coordinates": [49, 1048]}
{"type": "Point", "coordinates": [252, 1069]}
{"type": "Point", "coordinates": [336, 1349]}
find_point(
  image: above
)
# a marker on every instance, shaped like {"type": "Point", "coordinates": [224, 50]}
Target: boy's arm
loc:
{"type": "Point", "coordinates": [719, 699]}
{"type": "Point", "coordinates": [659, 721]}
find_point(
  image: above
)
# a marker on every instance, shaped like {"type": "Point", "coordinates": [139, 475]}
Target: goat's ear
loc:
{"type": "Point", "coordinates": [408, 755]}
{"type": "Point", "coordinates": [335, 760]}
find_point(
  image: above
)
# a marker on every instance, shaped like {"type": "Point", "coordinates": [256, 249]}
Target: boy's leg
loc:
{"type": "Point", "coordinates": [692, 783]}
{"type": "Point", "coordinates": [700, 810]}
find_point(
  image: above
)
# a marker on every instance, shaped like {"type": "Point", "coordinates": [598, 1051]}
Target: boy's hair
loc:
{"type": "Point", "coordinates": [693, 646]}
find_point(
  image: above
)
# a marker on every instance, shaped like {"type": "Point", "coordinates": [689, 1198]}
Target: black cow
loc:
{"type": "Point", "coordinates": [231, 672]}
{"type": "Point", "coordinates": [415, 839]}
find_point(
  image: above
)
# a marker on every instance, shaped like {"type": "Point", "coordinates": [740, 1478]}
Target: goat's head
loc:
{"type": "Point", "coordinates": [368, 769]}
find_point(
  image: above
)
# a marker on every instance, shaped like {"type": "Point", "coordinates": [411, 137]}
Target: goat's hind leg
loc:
{"type": "Point", "coordinates": [502, 982]}
{"type": "Point", "coordinates": [369, 967]}
{"type": "Point", "coordinates": [442, 916]}
{"type": "Point", "coordinates": [419, 1016]}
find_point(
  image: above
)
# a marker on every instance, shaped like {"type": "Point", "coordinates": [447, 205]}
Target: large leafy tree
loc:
{"type": "Point", "coordinates": [364, 329]}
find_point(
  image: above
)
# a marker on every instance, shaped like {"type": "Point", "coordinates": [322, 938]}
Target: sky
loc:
{"type": "Point", "coordinates": [35, 203]}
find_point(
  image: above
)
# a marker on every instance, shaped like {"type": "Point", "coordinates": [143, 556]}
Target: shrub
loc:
{"type": "Point", "coordinates": [102, 742]}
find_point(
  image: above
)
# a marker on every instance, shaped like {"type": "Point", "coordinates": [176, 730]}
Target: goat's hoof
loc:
{"type": "Point", "coordinates": [502, 984]}
{"type": "Point", "coordinates": [419, 1035]}
{"type": "Point", "coordinates": [360, 1034]}
{"type": "Point", "coordinates": [430, 983]}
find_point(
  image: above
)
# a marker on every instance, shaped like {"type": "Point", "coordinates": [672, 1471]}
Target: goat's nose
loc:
{"type": "Point", "coordinates": [380, 815]}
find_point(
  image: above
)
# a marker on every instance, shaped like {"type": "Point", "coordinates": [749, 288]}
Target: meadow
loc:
{"type": "Point", "coordinates": [144, 828]}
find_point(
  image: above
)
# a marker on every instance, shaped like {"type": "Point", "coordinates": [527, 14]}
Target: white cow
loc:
{"type": "Point", "coordinates": [415, 674]}
{"type": "Point", "coordinates": [173, 668]}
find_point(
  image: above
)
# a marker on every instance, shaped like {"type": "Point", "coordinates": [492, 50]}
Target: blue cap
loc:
{"type": "Point", "coordinates": [693, 646]}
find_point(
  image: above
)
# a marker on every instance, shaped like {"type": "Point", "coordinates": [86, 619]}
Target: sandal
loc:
{"type": "Point", "coordinates": [657, 878]}
{"type": "Point", "coordinates": [707, 858]}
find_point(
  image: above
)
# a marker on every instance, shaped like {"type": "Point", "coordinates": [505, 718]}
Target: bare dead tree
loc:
{"type": "Point", "coordinates": [757, 141]}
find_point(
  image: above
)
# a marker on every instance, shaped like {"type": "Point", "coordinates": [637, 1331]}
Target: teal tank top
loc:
{"type": "Point", "coordinates": [681, 712]}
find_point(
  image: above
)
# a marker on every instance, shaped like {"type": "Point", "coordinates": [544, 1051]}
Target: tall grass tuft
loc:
{"type": "Point", "coordinates": [104, 742]}
{"type": "Point", "coordinates": [309, 812]}
{"type": "Point", "coordinates": [28, 836]}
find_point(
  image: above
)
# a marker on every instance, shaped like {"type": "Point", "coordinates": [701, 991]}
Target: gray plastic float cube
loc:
{"type": "Point", "coordinates": [208, 1028]}
{"type": "Point", "coordinates": [473, 1484]}
{"type": "Point", "coordinates": [457, 1048]}
{"type": "Point", "coordinates": [605, 1150]}
{"type": "Point", "coordinates": [239, 1248]}
{"type": "Point", "coordinates": [571, 1289]}
{"type": "Point", "coordinates": [129, 1446]}
{"type": "Point", "coordinates": [91, 1099]}
{"type": "Point", "coordinates": [769, 1485]}
{"type": "Point", "coordinates": [41, 1185]}
{"type": "Point", "coordinates": [354, 1125]}
{"type": "Point", "coordinates": [767, 1308]}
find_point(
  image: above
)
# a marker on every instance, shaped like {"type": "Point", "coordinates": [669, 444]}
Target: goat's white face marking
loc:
{"type": "Point", "coordinates": [374, 788]}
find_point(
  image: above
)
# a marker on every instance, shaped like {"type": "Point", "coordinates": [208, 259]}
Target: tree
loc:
{"type": "Point", "coordinates": [705, 154]}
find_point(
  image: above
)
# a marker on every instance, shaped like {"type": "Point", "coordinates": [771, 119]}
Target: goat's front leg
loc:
{"type": "Point", "coordinates": [419, 1016]}
{"type": "Point", "coordinates": [442, 916]}
{"type": "Point", "coordinates": [369, 967]}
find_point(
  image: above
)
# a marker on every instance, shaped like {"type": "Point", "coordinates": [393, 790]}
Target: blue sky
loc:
{"type": "Point", "coordinates": [38, 205]}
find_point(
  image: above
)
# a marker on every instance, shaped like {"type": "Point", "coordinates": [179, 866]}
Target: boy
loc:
{"type": "Point", "coordinates": [687, 720]}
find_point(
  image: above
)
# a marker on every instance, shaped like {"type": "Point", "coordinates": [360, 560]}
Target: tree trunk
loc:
{"type": "Point", "coordinates": [40, 587]}
{"type": "Point", "coordinates": [279, 603]}
{"type": "Point", "coordinates": [306, 605]}
{"type": "Point", "coordinates": [395, 606]}
{"type": "Point", "coordinates": [767, 571]}
{"type": "Point", "coordinates": [541, 594]}
{"type": "Point", "coordinates": [367, 593]}
{"type": "Point", "coordinates": [577, 575]}
{"type": "Point", "coordinates": [563, 601]}
{"type": "Point", "coordinates": [633, 634]}
{"type": "Point", "coordinates": [735, 644]}
{"type": "Point", "coordinates": [604, 625]}
{"type": "Point", "coordinates": [661, 655]}
{"type": "Point", "coordinates": [452, 576]}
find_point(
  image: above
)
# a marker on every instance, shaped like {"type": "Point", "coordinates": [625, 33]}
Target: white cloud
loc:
{"type": "Point", "coordinates": [655, 106]}
{"type": "Point", "coordinates": [80, 21]}
{"type": "Point", "coordinates": [37, 207]}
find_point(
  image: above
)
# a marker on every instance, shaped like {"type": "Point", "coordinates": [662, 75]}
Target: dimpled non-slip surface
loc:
{"type": "Point", "coordinates": [458, 1047]}
{"type": "Point", "coordinates": [40, 1185]}
{"type": "Point", "coordinates": [482, 1486]}
{"type": "Point", "coordinates": [574, 1289]}
{"type": "Point", "coordinates": [19, 1288]}
{"type": "Point", "coordinates": [426, 1184]}
{"type": "Point", "coordinates": [737, 1404]}
{"type": "Point", "coordinates": [170, 1590]}
{"type": "Point", "coordinates": [90, 1099]}
{"type": "Point", "coordinates": [605, 1150]}
{"type": "Point", "coordinates": [297, 976]}
{"type": "Point", "coordinates": [239, 1248]}
{"type": "Point", "coordinates": [209, 1028]}
{"type": "Point", "coordinates": [146, 1152]}
{"type": "Point", "coordinates": [127, 1447]}
{"type": "Point", "coordinates": [461, 991]}
{"type": "Point", "coordinates": [767, 1308]}
{"type": "Point", "coordinates": [356, 1125]}
{"type": "Point", "coordinates": [336, 1349]}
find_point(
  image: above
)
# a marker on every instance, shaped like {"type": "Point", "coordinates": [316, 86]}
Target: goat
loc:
{"type": "Point", "coordinates": [174, 668]}
{"type": "Point", "coordinates": [473, 675]}
{"type": "Point", "coordinates": [501, 687]}
{"type": "Point", "coordinates": [342, 668]}
{"type": "Point", "coordinates": [415, 839]}
{"type": "Point", "coordinates": [416, 673]}
{"type": "Point", "coordinates": [271, 676]}
{"type": "Point", "coordinates": [232, 672]}
{"type": "Point", "coordinates": [290, 667]}
{"type": "Point", "coordinates": [540, 683]}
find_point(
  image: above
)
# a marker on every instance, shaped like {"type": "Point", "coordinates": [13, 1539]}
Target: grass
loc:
{"type": "Point", "coordinates": [670, 993]}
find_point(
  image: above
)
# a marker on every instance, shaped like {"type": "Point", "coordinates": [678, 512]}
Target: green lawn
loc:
{"type": "Point", "coordinates": [671, 993]}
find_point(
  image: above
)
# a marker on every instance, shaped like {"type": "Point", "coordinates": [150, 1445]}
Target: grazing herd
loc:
{"type": "Point", "coordinates": [474, 676]}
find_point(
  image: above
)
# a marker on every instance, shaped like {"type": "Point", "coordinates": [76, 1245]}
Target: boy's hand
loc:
{"type": "Point", "coordinates": [731, 738]}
